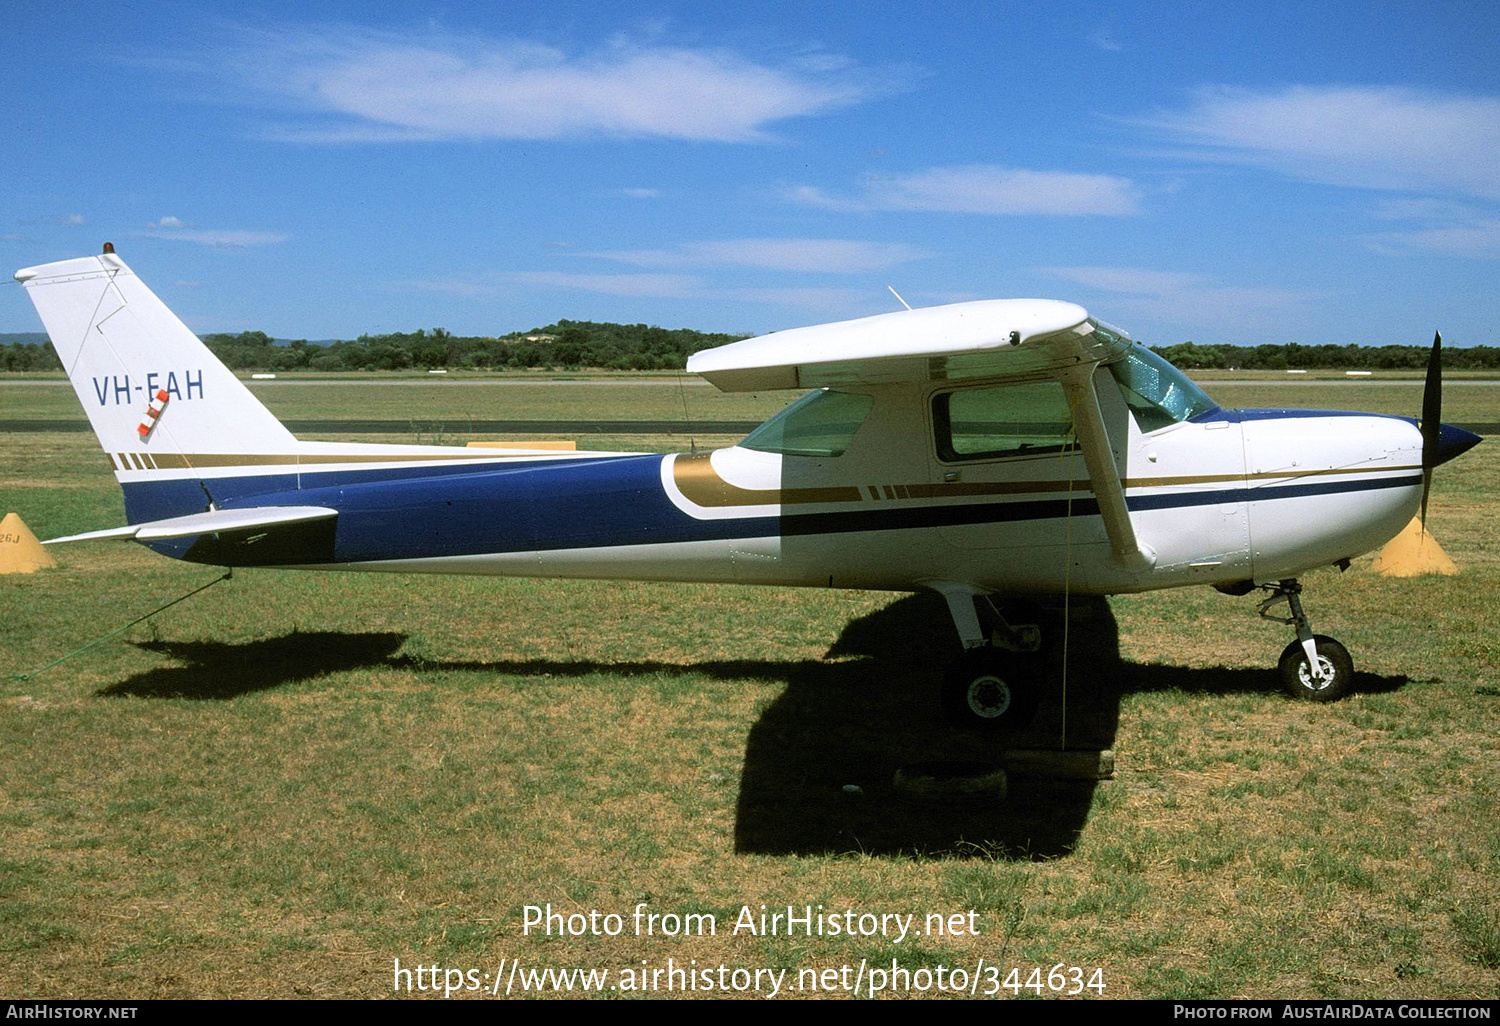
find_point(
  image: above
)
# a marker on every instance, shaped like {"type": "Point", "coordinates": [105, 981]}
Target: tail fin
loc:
{"type": "Point", "coordinates": [147, 383]}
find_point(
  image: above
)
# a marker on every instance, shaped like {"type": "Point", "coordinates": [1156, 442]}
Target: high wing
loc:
{"type": "Point", "coordinates": [992, 338]}
{"type": "Point", "coordinates": [996, 338]}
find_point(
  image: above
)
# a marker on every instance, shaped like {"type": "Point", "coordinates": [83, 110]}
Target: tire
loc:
{"type": "Point", "coordinates": [987, 689]}
{"type": "Point", "coordinates": [1297, 678]}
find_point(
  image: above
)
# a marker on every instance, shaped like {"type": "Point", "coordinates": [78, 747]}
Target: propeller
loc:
{"type": "Point", "coordinates": [1432, 419]}
{"type": "Point", "coordinates": [1440, 442]}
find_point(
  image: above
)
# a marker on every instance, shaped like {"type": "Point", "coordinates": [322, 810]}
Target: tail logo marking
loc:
{"type": "Point", "coordinates": [153, 414]}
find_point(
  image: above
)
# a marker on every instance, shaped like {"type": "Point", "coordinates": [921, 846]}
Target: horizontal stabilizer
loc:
{"type": "Point", "coordinates": [212, 522]}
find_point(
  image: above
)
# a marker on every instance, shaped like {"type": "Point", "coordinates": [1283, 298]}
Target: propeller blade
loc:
{"type": "Point", "coordinates": [1432, 418]}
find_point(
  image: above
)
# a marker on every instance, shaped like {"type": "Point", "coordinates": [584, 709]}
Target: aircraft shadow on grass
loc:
{"type": "Point", "coordinates": [856, 717]}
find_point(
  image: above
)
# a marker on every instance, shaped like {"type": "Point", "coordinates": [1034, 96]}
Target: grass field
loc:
{"type": "Point", "coordinates": [280, 787]}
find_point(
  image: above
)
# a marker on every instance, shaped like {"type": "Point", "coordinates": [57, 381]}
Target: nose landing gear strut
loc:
{"type": "Point", "coordinates": [1314, 667]}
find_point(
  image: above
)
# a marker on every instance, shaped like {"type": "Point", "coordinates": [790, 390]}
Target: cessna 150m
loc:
{"type": "Point", "coordinates": [974, 450]}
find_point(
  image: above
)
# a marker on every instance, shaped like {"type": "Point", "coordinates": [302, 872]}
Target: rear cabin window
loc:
{"type": "Point", "coordinates": [1028, 418]}
{"type": "Point", "coordinates": [821, 423]}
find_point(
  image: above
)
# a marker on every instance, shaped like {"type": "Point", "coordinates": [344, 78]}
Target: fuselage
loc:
{"type": "Point", "coordinates": [1221, 497]}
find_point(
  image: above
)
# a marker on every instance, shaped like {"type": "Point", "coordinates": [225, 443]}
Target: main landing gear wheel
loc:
{"type": "Point", "coordinates": [987, 689]}
{"type": "Point", "coordinates": [1334, 663]}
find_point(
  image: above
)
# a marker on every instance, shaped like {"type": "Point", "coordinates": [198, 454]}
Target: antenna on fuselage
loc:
{"type": "Point", "coordinates": [898, 297]}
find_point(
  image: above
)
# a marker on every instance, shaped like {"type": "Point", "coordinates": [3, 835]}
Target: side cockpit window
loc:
{"type": "Point", "coordinates": [1017, 419]}
{"type": "Point", "coordinates": [821, 423]}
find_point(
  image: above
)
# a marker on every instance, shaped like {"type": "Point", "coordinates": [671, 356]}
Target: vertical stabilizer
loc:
{"type": "Point", "coordinates": [147, 383]}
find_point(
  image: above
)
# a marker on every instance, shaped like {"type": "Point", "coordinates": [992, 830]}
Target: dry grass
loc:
{"type": "Point", "coordinates": [281, 786]}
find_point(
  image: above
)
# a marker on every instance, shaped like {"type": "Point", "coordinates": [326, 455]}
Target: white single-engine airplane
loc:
{"type": "Point", "coordinates": [975, 450]}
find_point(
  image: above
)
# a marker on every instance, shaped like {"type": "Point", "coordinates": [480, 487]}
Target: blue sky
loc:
{"type": "Point", "coordinates": [1323, 172]}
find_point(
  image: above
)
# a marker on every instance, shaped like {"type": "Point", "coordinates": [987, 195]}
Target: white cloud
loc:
{"type": "Point", "coordinates": [667, 286]}
{"type": "Point", "coordinates": [641, 257]}
{"type": "Point", "coordinates": [1426, 209]}
{"type": "Point", "coordinates": [833, 302]}
{"type": "Point", "coordinates": [224, 239]}
{"type": "Point", "coordinates": [986, 189]}
{"type": "Point", "coordinates": [640, 193]}
{"type": "Point", "coordinates": [1477, 237]}
{"type": "Point", "coordinates": [384, 87]}
{"type": "Point", "coordinates": [1103, 39]}
{"type": "Point", "coordinates": [168, 222]}
{"type": "Point", "coordinates": [834, 256]}
{"type": "Point", "coordinates": [456, 287]}
{"type": "Point", "coordinates": [1438, 226]}
{"type": "Point", "coordinates": [496, 284]}
{"type": "Point", "coordinates": [830, 255]}
{"type": "Point", "coordinates": [1191, 300]}
{"type": "Point", "coordinates": [1364, 136]}
{"type": "Point", "coordinates": [1128, 280]}
{"type": "Point", "coordinates": [64, 220]}
{"type": "Point", "coordinates": [1481, 238]}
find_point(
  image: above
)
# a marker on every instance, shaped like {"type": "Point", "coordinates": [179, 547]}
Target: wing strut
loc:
{"type": "Point", "coordinates": [1088, 421]}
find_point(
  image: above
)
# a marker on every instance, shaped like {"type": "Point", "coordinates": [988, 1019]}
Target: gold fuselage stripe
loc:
{"type": "Point", "coordinates": [700, 484]}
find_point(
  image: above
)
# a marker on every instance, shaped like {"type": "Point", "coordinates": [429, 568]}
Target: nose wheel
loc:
{"type": "Point", "coordinates": [1314, 667]}
{"type": "Point", "coordinates": [1335, 666]}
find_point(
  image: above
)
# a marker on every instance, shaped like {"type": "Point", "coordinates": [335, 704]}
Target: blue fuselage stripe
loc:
{"type": "Point", "coordinates": [618, 501]}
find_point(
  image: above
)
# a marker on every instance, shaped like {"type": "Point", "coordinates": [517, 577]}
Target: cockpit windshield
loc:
{"type": "Point", "coordinates": [1157, 393]}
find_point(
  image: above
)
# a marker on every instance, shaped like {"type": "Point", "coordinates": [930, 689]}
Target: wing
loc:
{"type": "Point", "coordinates": [992, 338]}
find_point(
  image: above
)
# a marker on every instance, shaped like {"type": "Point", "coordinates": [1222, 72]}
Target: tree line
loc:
{"type": "Point", "coordinates": [568, 344]}
{"type": "Point", "coordinates": [1297, 356]}
{"type": "Point", "coordinates": [587, 344]}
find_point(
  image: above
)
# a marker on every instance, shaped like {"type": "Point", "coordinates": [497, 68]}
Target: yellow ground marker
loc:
{"type": "Point", "coordinates": [20, 552]}
{"type": "Point", "coordinates": [559, 446]}
{"type": "Point", "coordinates": [1413, 553]}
